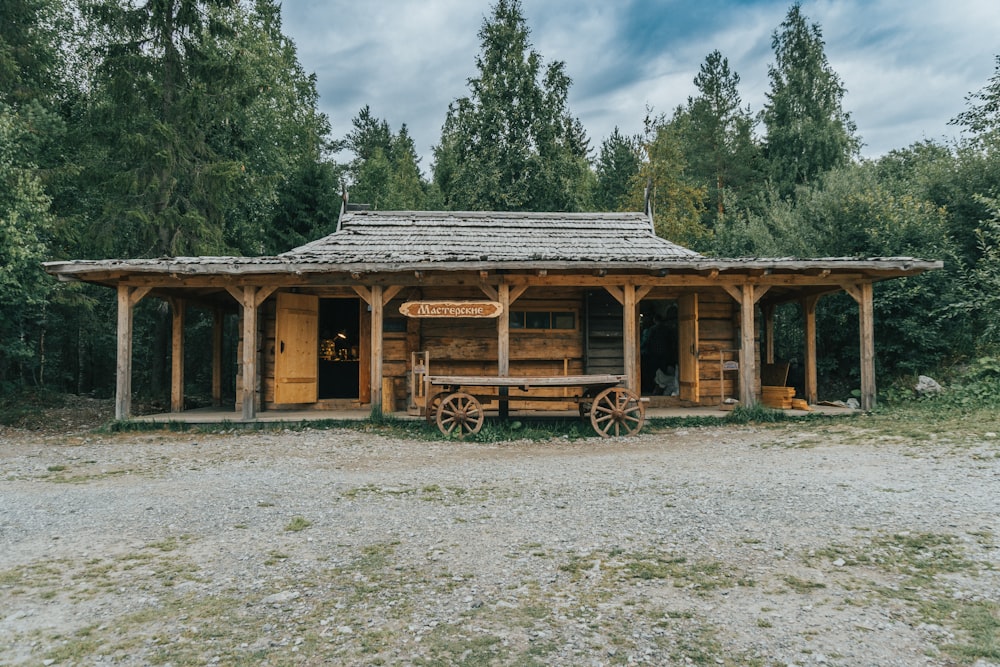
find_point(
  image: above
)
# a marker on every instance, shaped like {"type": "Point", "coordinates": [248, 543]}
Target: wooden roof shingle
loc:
{"type": "Point", "coordinates": [413, 237]}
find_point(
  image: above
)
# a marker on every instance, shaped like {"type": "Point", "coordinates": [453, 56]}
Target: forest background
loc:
{"type": "Point", "coordinates": [188, 127]}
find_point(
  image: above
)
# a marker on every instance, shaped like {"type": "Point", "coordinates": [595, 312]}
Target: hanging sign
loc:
{"type": "Point", "coordinates": [459, 309]}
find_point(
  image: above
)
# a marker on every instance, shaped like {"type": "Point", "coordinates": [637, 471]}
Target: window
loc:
{"type": "Point", "coordinates": [543, 320]}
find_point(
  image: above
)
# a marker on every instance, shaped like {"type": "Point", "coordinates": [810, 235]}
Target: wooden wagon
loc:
{"type": "Point", "coordinates": [455, 402]}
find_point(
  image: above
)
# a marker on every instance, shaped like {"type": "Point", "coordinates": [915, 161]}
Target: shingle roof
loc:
{"type": "Point", "coordinates": [409, 237]}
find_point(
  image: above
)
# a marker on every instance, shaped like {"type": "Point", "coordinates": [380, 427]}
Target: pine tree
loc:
{"type": "Point", "coordinates": [512, 144]}
{"type": "Point", "coordinates": [808, 132]}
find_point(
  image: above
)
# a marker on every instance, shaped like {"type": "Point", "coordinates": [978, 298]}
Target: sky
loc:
{"type": "Point", "coordinates": [908, 65]}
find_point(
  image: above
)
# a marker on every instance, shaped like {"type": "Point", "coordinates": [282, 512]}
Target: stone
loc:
{"type": "Point", "coordinates": [927, 386]}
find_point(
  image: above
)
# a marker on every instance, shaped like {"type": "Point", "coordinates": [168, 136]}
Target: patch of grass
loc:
{"type": "Point", "coordinates": [921, 565]}
{"type": "Point", "coordinates": [802, 585]}
{"type": "Point", "coordinates": [297, 523]}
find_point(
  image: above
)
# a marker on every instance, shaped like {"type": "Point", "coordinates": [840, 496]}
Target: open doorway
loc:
{"type": "Point", "coordinates": [339, 348]}
{"type": "Point", "coordinates": [658, 347]}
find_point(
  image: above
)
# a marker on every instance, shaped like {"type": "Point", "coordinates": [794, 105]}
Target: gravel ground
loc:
{"type": "Point", "coordinates": [816, 544]}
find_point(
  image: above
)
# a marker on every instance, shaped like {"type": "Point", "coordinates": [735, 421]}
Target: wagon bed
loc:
{"type": "Point", "coordinates": [613, 408]}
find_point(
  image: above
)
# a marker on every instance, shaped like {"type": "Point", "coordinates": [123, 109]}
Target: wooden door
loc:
{"type": "Point", "coordinates": [687, 354]}
{"type": "Point", "coordinates": [296, 354]}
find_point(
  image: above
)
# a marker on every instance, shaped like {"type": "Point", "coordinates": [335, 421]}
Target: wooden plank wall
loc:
{"type": "Point", "coordinates": [717, 342]}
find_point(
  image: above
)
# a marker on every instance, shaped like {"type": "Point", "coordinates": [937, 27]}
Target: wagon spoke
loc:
{"type": "Point", "coordinates": [617, 409]}
{"type": "Point", "coordinates": [459, 411]}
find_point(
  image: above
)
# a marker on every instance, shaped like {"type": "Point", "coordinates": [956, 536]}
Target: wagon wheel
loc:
{"type": "Point", "coordinates": [432, 406]}
{"type": "Point", "coordinates": [460, 412]}
{"type": "Point", "coordinates": [617, 411]}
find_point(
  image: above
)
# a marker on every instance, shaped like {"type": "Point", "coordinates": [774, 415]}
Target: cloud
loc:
{"type": "Point", "coordinates": [907, 65]}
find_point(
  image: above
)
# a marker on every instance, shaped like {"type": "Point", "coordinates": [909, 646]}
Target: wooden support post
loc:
{"type": "Point", "coordinates": [631, 332]}
{"type": "Point", "coordinates": [218, 320]}
{"type": "Point", "coordinates": [867, 326]}
{"type": "Point", "coordinates": [809, 314]}
{"type": "Point", "coordinates": [177, 355]}
{"type": "Point", "coordinates": [123, 384]}
{"type": "Point", "coordinates": [863, 295]}
{"type": "Point", "coordinates": [249, 389]}
{"type": "Point", "coordinates": [503, 345]}
{"type": "Point", "coordinates": [748, 360]}
{"type": "Point", "coordinates": [378, 308]}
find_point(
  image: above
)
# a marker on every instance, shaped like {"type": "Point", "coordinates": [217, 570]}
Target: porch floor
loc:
{"type": "Point", "coordinates": [224, 416]}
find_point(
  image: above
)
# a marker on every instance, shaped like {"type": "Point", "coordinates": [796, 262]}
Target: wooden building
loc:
{"type": "Point", "coordinates": [338, 322]}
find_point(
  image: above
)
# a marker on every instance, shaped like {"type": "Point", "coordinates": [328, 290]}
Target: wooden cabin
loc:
{"type": "Point", "coordinates": [347, 321]}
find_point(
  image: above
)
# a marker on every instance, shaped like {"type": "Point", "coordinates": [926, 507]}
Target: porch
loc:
{"type": "Point", "coordinates": [219, 416]}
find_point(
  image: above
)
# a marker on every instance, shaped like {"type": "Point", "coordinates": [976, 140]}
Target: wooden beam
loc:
{"type": "Point", "coordinates": [376, 357]}
{"type": "Point", "coordinates": [516, 292]}
{"type": "Point", "coordinates": [867, 325]}
{"type": "Point", "coordinates": [759, 291]}
{"type": "Point", "coordinates": [363, 292]}
{"type": "Point", "coordinates": [490, 291]}
{"type": "Point", "coordinates": [503, 331]}
{"type": "Point", "coordinates": [733, 291]}
{"type": "Point", "coordinates": [809, 312]}
{"type": "Point", "coordinates": [236, 293]}
{"type": "Point", "coordinates": [177, 355]}
{"type": "Point", "coordinates": [123, 380]}
{"type": "Point", "coordinates": [631, 332]}
{"type": "Point", "coordinates": [248, 391]}
{"type": "Point", "coordinates": [642, 292]}
{"type": "Point", "coordinates": [218, 322]}
{"type": "Point", "coordinates": [263, 293]}
{"type": "Point", "coordinates": [389, 293]}
{"type": "Point", "coordinates": [503, 346]}
{"type": "Point", "coordinates": [617, 292]}
{"type": "Point", "coordinates": [137, 294]}
{"type": "Point", "coordinates": [862, 293]}
{"type": "Point", "coordinates": [748, 360]}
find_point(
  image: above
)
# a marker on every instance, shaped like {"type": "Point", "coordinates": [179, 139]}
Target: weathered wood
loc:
{"type": "Point", "coordinates": [296, 348]}
{"type": "Point", "coordinates": [631, 333]}
{"type": "Point", "coordinates": [616, 292]}
{"type": "Point", "coordinates": [389, 292]}
{"type": "Point", "coordinates": [376, 337]}
{"type": "Point", "coordinates": [688, 336]}
{"type": "Point", "coordinates": [867, 326]}
{"type": "Point", "coordinates": [248, 391]}
{"type": "Point", "coordinates": [177, 355]}
{"type": "Point", "coordinates": [809, 315]}
{"type": "Point", "coordinates": [123, 380]}
{"type": "Point", "coordinates": [526, 382]}
{"type": "Point", "coordinates": [748, 370]}
{"type": "Point", "coordinates": [503, 330]}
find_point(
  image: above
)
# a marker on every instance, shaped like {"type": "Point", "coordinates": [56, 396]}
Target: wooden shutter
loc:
{"type": "Point", "coordinates": [687, 334]}
{"type": "Point", "coordinates": [296, 348]}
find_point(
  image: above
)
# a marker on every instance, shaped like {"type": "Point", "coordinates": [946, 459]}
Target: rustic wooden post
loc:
{"type": "Point", "coordinates": [862, 293]}
{"type": "Point", "coordinates": [123, 384]}
{"type": "Point", "coordinates": [809, 313]}
{"type": "Point", "coordinates": [249, 389]}
{"type": "Point", "coordinates": [127, 298]}
{"type": "Point", "coordinates": [631, 332]}
{"type": "Point", "coordinates": [378, 308]}
{"type": "Point", "coordinates": [503, 331]}
{"type": "Point", "coordinates": [503, 345]}
{"type": "Point", "coordinates": [218, 319]}
{"type": "Point", "coordinates": [748, 356]}
{"type": "Point", "coordinates": [177, 355]}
